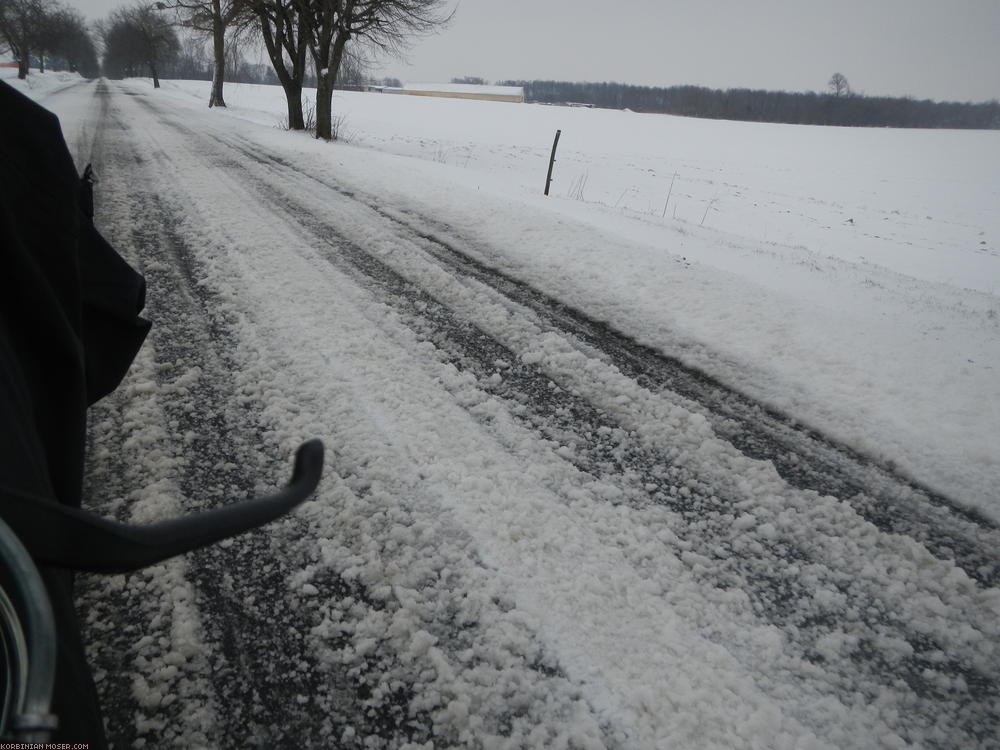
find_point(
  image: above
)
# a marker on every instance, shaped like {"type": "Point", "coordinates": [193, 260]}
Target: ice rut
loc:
{"type": "Point", "coordinates": [180, 406]}
{"type": "Point", "coordinates": [872, 625]}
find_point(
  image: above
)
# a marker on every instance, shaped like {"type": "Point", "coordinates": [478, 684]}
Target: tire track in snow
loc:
{"type": "Point", "coordinates": [770, 575]}
{"type": "Point", "coordinates": [369, 701]}
{"type": "Point", "coordinates": [269, 691]}
{"type": "Point", "coordinates": [781, 597]}
{"type": "Point", "coordinates": [143, 626]}
{"type": "Point", "coordinates": [532, 676]}
{"type": "Point", "coordinates": [241, 584]}
{"type": "Point", "coordinates": [242, 602]}
{"type": "Point", "coordinates": [801, 455]}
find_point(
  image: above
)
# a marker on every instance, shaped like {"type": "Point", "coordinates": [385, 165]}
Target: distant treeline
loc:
{"type": "Point", "coordinates": [768, 106]}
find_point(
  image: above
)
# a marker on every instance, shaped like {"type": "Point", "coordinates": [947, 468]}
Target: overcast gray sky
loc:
{"type": "Point", "coordinates": [937, 49]}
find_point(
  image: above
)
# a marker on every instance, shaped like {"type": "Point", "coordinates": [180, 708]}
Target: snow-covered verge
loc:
{"type": "Point", "coordinates": [38, 85]}
{"type": "Point", "coordinates": [848, 277]}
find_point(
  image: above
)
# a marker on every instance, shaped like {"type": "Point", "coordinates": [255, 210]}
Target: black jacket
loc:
{"type": "Point", "coordinates": [69, 305]}
{"type": "Point", "coordinates": [69, 328]}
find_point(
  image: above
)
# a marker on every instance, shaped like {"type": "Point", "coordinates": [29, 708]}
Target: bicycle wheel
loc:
{"type": "Point", "coordinates": [27, 645]}
{"type": "Point", "coordinates": [13, 662]}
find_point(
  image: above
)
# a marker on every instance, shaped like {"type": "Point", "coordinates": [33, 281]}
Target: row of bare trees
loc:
{"type": "Point", "coordinates": [319, 31]}
{"type": "Point", "coordinates": [330, 34]}
{"type": "Point", "coordinates": [48, 32]}
{"type": "Point", "coordinates": [137, 39]}
{"type": "Point", "coordinates": [841, 106]}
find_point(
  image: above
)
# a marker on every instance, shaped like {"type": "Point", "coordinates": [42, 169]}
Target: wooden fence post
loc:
{"type": "Point", "coordinates": [552, 160]}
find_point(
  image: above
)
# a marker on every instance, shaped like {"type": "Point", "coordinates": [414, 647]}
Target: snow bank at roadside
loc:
{"type": "Point", "coordinates": [38, 85]}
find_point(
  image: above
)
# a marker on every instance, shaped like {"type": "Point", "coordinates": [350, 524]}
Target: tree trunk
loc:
{"type": "Point", "coordinates": [324, 89]}
{"type": "Point", "coordinates": [156, 77]}
{"type": "Point", "coordinates": [22, 66]}
{"type": "Point", "coordinates": [293, 96]}
{"type": "Point", "coordinates": [291, 83]}
{"type": "Point", "coordinates": [324, 105]}
{"type": "Point", "coordinates": [219, 49]}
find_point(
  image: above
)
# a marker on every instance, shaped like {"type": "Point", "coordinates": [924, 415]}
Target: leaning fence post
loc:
{"type": "Point", "coordinates": [552, 160]}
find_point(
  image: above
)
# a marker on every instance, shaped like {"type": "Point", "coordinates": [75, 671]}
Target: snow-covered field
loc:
{"type": "Point", "coordinates": [543, 548]}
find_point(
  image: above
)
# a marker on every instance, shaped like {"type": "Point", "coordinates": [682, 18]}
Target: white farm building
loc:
{"type": "Point", "coordinates": [460, 91]}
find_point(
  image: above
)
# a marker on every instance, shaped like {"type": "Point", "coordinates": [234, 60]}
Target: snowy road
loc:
{"type": "Point", "coordinates": [533, 531]}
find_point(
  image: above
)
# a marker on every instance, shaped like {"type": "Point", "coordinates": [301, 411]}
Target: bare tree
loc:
{"type": "Point", "coordinates": [192, 62]}
{"type": "Point", "coordinates": [324, 28]}
{"type": "Point", "coordinates": [283, 30]}
{"type": "Point", "coordinates": [22, 26]}
{"type": "Point", "coordinates": [48, 32]}
{"type": "Point", "coordinates": [385, 25]}
{"type": "Point", "coordinates": [64, 39]}
{"type": "Point", "coordinates": [137, 37]}
{"type": "Point", "coordinates": [839, 86]}
{"type": "Point", "coordinates": [215, 18]}
{"type": "Point", "coordinates": [244, 35]}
